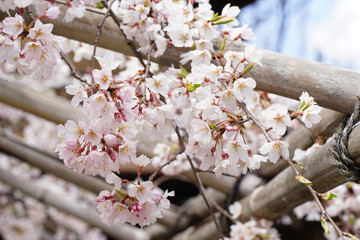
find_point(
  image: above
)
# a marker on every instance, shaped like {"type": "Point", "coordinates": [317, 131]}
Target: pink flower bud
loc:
{"type": "Point", "coordinates": [100, 199]}
{"type": "Point", "coordinates": [118, 117]}
{"type": "Point", "coordinates": [110, 140]}
{"type": "Point", "coordinates": [232, 128]}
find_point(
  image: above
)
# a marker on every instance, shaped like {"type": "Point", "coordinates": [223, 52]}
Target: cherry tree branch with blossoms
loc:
{"type": "Point", "coordinates": [205, 114]}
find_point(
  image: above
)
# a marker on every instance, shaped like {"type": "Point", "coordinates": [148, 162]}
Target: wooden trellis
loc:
{"type": "Point", "coordinates": [333, 88]}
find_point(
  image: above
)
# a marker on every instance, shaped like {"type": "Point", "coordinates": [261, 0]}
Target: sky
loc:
{"type": "Point", "coordinates": [321, 30]}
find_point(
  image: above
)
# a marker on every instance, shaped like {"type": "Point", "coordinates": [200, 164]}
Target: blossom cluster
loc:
{"type": "Point", "coordinates": [31, 48]}
{"type": "Point", "coordinates": [140, 204]}
{"type": "Point", "coordinates": [250, 230]}
{"type": "Point", "coordinates": [210, 105]}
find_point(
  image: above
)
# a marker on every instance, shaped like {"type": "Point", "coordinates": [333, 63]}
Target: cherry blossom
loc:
{"type": "Point", "coordinates": [244, 88]}
{"type": "Point", "coordinates": [195, 113]}
{"type": "Point", "coordinates": [311, 116]}
{"type": "Point", "coordinates": [13, 26]}
{"type": "Point", "coordinates": [275, 150]}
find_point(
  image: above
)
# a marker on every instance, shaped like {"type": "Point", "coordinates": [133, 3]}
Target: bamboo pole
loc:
{"type": "Point", "coordinates": [52, 108]}
{"type": "Point", "coordinates": [275, 198]}
{"type": "Point", "coordinates": [280, 74]}
{"type": "Point", "coordinates": [86, 214]}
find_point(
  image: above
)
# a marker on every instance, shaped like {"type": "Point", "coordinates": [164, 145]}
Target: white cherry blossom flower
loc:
{"type": "Point", "coordinates": [13, 25]}
{"type": "Point", "coordinates": [237, 150]}
{"type": "Point", "coordinates": [225, 166]}
{"type": "Point", "coordinates": [181, 35]}
{"type": "Point", "coordinates": [244, 88]}
{"type": "Point", "coordinates": [206, 29]}
{"type": "Point", "coordinates": [235, 209]}
{"type": "Point", "coordinates": [311, 116]}
{"type": "Point", "coordinates": [275, 150]}
{"type": "Point", "coordinates": [234, 60]}
{"type": "Point", "coordinates": [141, 161]}
{"type": "Point", "coordinates": [158, 84]}
{"type": "Point", "coordinates": [306, 101]}
{"type": "Point", "coordinates": [252, 54]}
{"type": "Point", "coordinates": [142, 192]}
{"type": "Point", "coordinates": [278, 118]}
{"type": "Point", "coordinates": [41, 32]}
{"type": "Point", "coordinates": [197, 57]}
{"type": "Point", "coordinates": [78, 91]}
{"type": "Point", "coordinates": [108, 61]}
{"type": "Point", "coordinates": [103, 77]}
{"type": "Point", "coordinates": [200, 131]}
{"type": "Point", "coordinates": [52, 12]}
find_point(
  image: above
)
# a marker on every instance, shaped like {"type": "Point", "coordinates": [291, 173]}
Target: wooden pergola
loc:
{"type": "Point", "coordinates": [336, 89]}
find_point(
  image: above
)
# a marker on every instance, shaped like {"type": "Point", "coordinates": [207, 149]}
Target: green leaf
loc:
{"type": "Point", "coordinates": [300, 164]}
{"type": "Point", "coordinates": [183, 73]}
{"type": "Point", "coordinates": [328, 196]}
{"type": "Point", "coordinates": [223, 20]}
{"type": "Point", "coordinates": [216, 17]}
{"type": "Point", "coordinates": [213, 126]}
{"type": "Point", "coordinates": [222, 46]}
{"type": "Point", "coordinates": [352, 237]}
{"type": "Point", "coordinates": [248, 69]}
{"type": "Point", "coordinates": [265, 236]}
{"type": "Point", "coordinates": [100, 5]}
{"type": "Point", "coordinates": [120, 193]}
{"type": "Point", "coordinates": [325, 226]}
{"type": "Point", "coordinates": [303, 180]}
{"type": "Point", "coordinates": [192, 88]}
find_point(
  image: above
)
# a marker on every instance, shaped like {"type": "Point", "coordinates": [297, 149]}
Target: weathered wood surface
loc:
{"type": "Point", "coordinates": [52, 108]}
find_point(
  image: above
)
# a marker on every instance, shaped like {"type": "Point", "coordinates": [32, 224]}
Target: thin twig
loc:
{"type": "Point", "coordinates": [130, 43]}
{"type": "Point", "coordinates": [202, 192]}
{"type": "Point", "coordinates": [222, 210]}
{"type": "Point", "coordinates": [173, 158]}
{"type": "Point", "coordinates": [198, 182]}
{"type": "Point", "coordinates": [74, 71]}
{"type": "Point", "coordinates": [231, 198]}
{"type": "Point", "coordinates": [209, 171]}
{"type": "Point", "coordinates": [98, 33]}
{"type": "Point", "coordinates": [254, 119]}
{"type": "Point", "coordinates": [148, 63]}
{"type": "Point", "coordinates": [316, 198]}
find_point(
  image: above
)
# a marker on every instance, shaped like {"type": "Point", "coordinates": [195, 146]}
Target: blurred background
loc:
{"type": "Point", "coordinates": [322, 30]}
